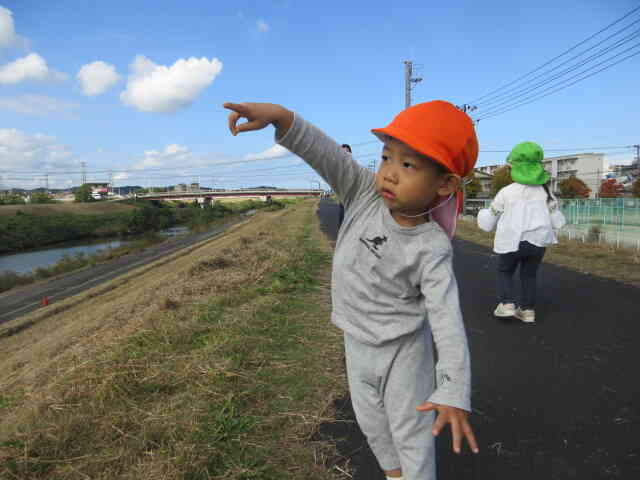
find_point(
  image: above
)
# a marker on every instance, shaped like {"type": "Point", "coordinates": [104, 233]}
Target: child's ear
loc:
{"type": "Point", "coordinates": [450, 184]}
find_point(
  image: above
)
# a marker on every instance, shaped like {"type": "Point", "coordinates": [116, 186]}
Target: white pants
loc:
{"type": "Point", "coordinates": [387, 383]}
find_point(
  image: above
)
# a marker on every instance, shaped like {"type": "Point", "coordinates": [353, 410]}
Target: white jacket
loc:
{"type": "Point", "coordinates": [522, 213]}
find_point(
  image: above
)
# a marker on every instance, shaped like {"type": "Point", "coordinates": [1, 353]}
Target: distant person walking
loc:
{"type": "Point", "coordinates": [526, 214]}
{"type": "Point", "coordinates": [346, 147]}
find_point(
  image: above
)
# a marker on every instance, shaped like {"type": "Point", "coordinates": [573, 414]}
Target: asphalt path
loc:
{"type": "Point", "coordinates": [559, 399]}
{"type": "Point", "coordinates": [21, 301]}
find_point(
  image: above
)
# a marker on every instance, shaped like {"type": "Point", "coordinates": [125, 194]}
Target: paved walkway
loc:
{"type": "Point", "coordinates": [556, 400]}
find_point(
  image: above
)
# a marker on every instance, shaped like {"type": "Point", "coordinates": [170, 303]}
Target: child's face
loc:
{"type": "Point", "coordinates": [408, 182]}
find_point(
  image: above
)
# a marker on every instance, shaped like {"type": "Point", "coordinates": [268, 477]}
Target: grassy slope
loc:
{"type": "Point", "coordinates": [216, 365]}
{"type": "Point", "coordinates": [621, 264]}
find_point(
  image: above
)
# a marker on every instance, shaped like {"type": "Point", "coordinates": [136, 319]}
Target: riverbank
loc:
{"type": "Point", "coordinates": [66, 264]}
{"type": "Point", "coordinates": [37, 229]}
{"type": "Point", "coordinates": [218, 364]}
{"type": "Point", "coordinates": [91, 208]}
{"type": "Point", "coordinates": [198, 221]}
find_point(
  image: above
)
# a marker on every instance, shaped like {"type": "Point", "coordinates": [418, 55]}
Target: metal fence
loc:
{"type": "Point", "coordinates": [604, 220]}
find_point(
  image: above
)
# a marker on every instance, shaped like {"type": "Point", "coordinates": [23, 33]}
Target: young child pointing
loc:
{"type": "Point", "coordinates": [393, 287]}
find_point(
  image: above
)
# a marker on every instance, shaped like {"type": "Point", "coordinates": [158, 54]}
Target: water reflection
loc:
{"type": "Point", "coordinates": [28, 261]}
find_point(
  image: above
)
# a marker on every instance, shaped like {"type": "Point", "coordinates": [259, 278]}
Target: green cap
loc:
{"type": "Point", "coordinates": [526, 164]}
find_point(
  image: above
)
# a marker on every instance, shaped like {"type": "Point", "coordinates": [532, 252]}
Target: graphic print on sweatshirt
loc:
{"type": "Point", "coordinates": [373, 243]}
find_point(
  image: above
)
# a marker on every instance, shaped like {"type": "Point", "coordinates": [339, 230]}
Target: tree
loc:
{"type": "Point", "coordinates": [11, 199]}
{"type": "Point", "coordinates": [610, 188]}
{"type": "Point", "coordinates": [42, 198]}
{"type": "Point", "coordinates": [501, 178]}
{"type": "Point", "coordinates": [635, 189]}
{"type": "Point", "coordinates": [83, 194]}
{"type": "Point", "coordinates": [474, 187]}
{"type": "Point", "coordinates": [573, 187]}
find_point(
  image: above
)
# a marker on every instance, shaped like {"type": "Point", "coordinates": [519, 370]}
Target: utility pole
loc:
{"type": "Point", "coordinates": [46, 182]}
{"type": "Point", "coordinates": [110, 187]}
{"type": "Point", "coordinates": [83, 165]}
{"type": "Point", "coordinates": [465, 107]}
{"type": "Point", "coordinates": [408, 81]}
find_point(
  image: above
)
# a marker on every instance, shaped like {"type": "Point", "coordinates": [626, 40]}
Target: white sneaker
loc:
{"type": "Point", "coordinates": [527, 316]}
{"type": "Point", "coordinates": [505, 310]}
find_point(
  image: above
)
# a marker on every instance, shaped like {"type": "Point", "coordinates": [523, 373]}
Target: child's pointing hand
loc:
{"type": "Point", "coordinates": [459, 424]}
{"type": "Point", "coordinates": [258, 116]}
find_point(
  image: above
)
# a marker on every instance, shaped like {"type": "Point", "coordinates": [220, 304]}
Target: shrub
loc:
{"type": "Point", "coordinates": [501, 178]}
{"type": "Point", "coordinates": [573, 187]}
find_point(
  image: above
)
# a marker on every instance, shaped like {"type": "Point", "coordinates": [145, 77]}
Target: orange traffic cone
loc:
{"type": "Point", "coordinates": [45, 301]}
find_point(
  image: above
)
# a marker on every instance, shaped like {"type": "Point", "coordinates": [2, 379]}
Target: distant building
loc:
{"type": "Point", "coordinates": [489, 169]}
{"type": "Point", "coordinates": [591, 168]}
{"type": "Point", "coordinates": [99, 190]}
{"type": "Point", "coordinates": [485, 180]}
{"type": "Point", "coordinates": [194, 187]}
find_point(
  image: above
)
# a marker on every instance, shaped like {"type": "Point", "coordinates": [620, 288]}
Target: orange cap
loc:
{"type": "Point", "coordinates": [440, 131]}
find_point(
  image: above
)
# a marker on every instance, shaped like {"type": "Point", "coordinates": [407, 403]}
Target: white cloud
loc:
{"type": "Point", "coordinates": [157, 88]}
{"type": "Point", "coordinates": [97, 77]}
{"type": "Point", "coordinates": [38, 105]}
{"type": "Point", "coordinates": [31, 67]}
{"type": "Point", "coordinates": [8, 36]}
{"type": "Point", "coordinates": [173, 155]}
{"type": "Point", "coordinates": [22, 151]}
{"type": "Point", "coordinates": [276, 151]}
{"type": "Point", "coordinates": [263, 26]}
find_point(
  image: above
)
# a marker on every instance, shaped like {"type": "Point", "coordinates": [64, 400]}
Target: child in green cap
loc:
{"type": "Point", "coordinates": [526, 214]}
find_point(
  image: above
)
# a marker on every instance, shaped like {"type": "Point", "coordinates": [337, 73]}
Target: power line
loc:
{"type": "Point", "coordinates": [522, 90]}
{"type": "Point", "coordinates": [216, 164]}
{"type": "Point", "coordinates": [514, 106]}
{"type": "Point", "coordinates": [557, 57]}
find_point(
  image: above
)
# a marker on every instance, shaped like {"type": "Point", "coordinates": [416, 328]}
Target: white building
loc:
{"type": "Point", "coordinates": [591, 168]}
{"type": "Point", "coordinates": [485, 180]}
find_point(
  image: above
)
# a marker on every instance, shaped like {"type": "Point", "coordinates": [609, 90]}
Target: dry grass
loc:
{"type": "Point", "coordinates": [622, 264]}
{"type": "Point", "coordinates": [217, 364]}
{"type": "Point", "coordinates": [93, 208]}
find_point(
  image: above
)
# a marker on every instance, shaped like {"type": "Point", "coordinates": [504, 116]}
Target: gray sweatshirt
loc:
{"type": "Point", "coordinates": [388, 280]}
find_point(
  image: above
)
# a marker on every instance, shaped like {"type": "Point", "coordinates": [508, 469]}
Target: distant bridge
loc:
{"type": "Point", "coordinates": [208, 196]}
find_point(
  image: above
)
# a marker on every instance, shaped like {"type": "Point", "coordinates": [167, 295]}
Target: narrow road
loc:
{"type": "Point", "coordinates": [18, 302]}
{"type": "Point", "coordinates": [556, 400]}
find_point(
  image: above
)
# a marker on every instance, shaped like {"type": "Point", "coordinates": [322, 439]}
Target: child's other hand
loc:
{"type": "Point", "coordinates": [258, 116]}
{"type": "Point", "coordinates": [459, 424]}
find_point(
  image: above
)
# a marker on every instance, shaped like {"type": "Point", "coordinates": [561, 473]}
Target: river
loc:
{"type": "Point", "coordinates": [27, 262]}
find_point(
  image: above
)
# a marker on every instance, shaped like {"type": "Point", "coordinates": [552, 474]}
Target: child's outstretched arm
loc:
{"type": "Point", "coordinates": [259, 116]}
{"type": "Point", "coordinates": [348, 179]}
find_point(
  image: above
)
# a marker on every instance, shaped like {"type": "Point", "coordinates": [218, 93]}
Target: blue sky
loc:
{"type": "Point", "coordinates": [136, 87]}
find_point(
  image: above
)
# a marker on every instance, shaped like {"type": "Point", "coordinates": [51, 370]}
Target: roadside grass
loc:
{"type": "Point", "coordinates": [228, 377]}
{"type": "Point", "coordinates": [622, 264]}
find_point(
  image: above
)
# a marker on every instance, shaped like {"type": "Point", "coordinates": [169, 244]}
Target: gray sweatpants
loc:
{"type": "Point", "coordinates": [387, 383]}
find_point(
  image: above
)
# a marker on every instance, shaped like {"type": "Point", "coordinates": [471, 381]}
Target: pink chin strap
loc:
{"type": "Point", "coordinates": [446, 214]}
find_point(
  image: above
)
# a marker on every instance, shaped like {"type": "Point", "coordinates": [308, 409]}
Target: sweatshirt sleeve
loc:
{"type": "Point", "coordinates": [336, 166]}
{"type": "Point", "coordinates": [488, 217]}
{"type": "Point", "coordinates": [453, 371]}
